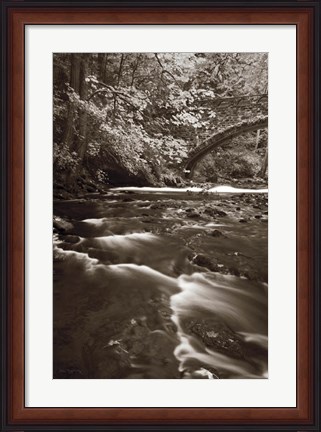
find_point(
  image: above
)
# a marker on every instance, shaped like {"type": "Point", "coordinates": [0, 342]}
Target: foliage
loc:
{"type": "Point", "coordinates": [143, 113]}
{"type": "Point", "coordinates": [64, 159]}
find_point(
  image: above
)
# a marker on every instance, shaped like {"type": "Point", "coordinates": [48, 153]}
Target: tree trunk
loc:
{"type": "Point", "coordinates": [68, 136]}
{"type": "Point", "coordinates": [135, 67]}
{"type": "Point", "coordinates": [80, 143]}
{"type": "Point", "coordinates": [102, 60]}
{"type": "Point", "coordinates": [120, 70]}
{"type": "Point", "coordinates": [83, 93]}
{"type": "Point", "coordinates": [264, 164]}
{"type": "Point", "coordinates": [258, 133]}
{"type": "Point", "coordinates": [117, 85]}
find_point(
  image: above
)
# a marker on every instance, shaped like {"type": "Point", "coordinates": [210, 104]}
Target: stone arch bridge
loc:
{"type": "Point", "coordinates": [235, 116]}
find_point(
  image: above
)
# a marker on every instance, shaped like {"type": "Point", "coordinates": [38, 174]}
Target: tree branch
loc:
{"type": "Point", "coordinates": [166, 71]}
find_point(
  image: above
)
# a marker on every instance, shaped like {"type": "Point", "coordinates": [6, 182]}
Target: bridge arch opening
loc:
{"type": "Point", "coordinates": [219, 139]}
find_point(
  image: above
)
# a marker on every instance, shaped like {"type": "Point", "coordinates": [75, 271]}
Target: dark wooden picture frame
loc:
{"type": "Point", "coordinates": [306, 16]}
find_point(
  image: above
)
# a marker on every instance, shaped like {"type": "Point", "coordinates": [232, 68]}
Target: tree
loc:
{"type": "Point", "coordinates": [146, 111]}
{"type": "Point", "coordinates": [264, 164]}
{"type": "Point", "coordinates": [75, 60]}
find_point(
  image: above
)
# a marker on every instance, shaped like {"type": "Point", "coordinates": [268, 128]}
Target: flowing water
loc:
{"type": "Point", "coordinates": [161, 284]}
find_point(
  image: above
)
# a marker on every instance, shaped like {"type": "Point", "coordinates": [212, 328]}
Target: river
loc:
{"type": "Point", "coordinates": [161, 283]}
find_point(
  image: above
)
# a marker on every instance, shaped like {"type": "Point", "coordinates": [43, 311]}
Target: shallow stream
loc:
{"type": "Point", "coordinates": [161, 284]}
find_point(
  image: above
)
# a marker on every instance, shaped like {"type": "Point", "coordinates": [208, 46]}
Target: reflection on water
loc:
{"type": "Point", "coordinates": [132, 301]}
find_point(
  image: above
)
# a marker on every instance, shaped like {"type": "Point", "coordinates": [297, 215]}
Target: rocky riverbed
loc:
{"type": "Point", "coordinates": [166, 284]}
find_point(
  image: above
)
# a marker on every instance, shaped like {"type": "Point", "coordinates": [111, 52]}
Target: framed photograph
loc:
{"type": "Point", "coordinates": [160, 215]}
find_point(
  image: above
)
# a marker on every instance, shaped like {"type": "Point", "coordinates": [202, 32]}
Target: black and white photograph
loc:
{"type": "Point", "coordinates": [160, 215]}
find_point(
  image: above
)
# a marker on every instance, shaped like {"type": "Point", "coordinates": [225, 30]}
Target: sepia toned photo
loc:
{"type": "Point", "coordinates": [160, 216]}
